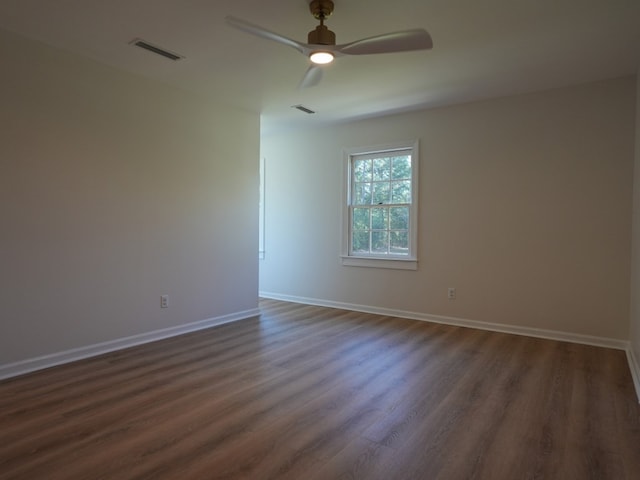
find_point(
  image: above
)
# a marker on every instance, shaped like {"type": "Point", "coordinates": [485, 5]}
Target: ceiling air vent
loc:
{"type": "Point", "coordinates": [302, 108]}
{"type": "Point", "coordinates": [155, 49]}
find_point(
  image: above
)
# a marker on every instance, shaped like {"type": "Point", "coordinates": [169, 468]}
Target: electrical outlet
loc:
{"type": "Point", "coordinates": [164, 301]}
{"type": "Point", "coordinates": [451, 293]}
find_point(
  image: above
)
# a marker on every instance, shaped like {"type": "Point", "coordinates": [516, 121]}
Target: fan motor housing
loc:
{"type": "Point", "coordinates": [321, 36]}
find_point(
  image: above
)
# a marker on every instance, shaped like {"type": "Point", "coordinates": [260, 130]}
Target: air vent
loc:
{"type": "Point", "coordinates": [302, 108]}
{"type": "Point", "coordinates": [155, 49]}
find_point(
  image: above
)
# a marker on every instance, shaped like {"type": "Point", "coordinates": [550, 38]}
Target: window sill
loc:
{"type": "Point", "coordinates": [392, 263]}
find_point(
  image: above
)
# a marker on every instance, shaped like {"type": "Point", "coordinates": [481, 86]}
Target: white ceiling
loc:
{"type": "Point", "coordinates": [481, 49]}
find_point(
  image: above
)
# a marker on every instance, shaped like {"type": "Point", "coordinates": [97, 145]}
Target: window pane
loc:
{"type": "Point", "coordinates": [360, 242]}
{"type": "Point", "coordinates": [362, 194]}
{"type": "Point", "coordinates": [399, 218]}
{"type": "Point", "coordinates": [399, 243]}
{"type": "Point", "coordinates": [379, 242]}
{"type": "Point", "coordinates": [361, 219]}
{"type": "Point", "coordinates": [381, 169]}
{"type": "Point", "coordinates": [381, 193]}
{"type": "Point", "coordinates": [401, 167]}
{"type": "Point", "coordinates": [362, 170]}
{"type": "Point", "coordinates": [401, 191]}
{"type": "Point", "coordinates": [380, 218]}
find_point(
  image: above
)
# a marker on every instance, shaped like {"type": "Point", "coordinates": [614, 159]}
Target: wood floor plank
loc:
{"type": "Point", "coordinates": [317, 393]}
{"type": "Point", "coordinates": [495, 445]}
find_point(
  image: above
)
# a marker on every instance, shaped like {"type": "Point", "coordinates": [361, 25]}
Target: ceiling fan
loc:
{"type": "Point", "coordinates": [321, 45]}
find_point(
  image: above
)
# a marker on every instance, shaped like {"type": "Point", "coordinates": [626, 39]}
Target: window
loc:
{"type": "Point", "coordinates": [261, 211]}
{"type": "Point", "coordinates": [380, 217]}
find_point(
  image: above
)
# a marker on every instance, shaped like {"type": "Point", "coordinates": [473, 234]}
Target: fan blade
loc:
{"type": "Point", "coordinates": [312, 77]}
{"type": "Point", "coordinates": [264, 33]}
{"type": "Point", "coordinates": [405, 41]}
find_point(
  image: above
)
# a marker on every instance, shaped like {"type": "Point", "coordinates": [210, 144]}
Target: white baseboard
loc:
{"type": "Point", "coordinates": [634, 366]}
{"type": "Point", "coordinates": [59, 358]}
{"type": "Point", "coordinates": [460, 322]}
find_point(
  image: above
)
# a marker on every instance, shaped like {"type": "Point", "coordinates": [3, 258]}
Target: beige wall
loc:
{"type": "Point", "coordinates": [524, 208]}
{"type": "Point", "coordinates": [635, 279]}
{"type": "Point", "coordinates": [113, 191]}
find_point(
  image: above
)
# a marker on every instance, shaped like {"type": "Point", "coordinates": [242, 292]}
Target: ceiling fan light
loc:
{"type": "Point", "coordinates": [321, 58]}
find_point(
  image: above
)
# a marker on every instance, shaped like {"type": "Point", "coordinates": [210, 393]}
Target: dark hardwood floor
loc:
{"type": "Point", "coordinates": [310, 393]}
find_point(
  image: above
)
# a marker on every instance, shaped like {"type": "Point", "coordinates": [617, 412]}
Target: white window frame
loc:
{"type": "Point", "coordinates": [404, 262]}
